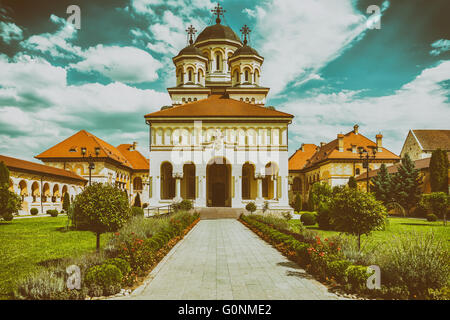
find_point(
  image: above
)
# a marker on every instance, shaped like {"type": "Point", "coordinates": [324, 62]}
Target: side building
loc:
{"type": "Point", "coordinates": [336, 161]}
{"type": "Point", "coordinates": [40, 186]}
{"type": "Point", "coordinates": [98, 161]}
{"type": "Point", "coordinates": [420, 144]}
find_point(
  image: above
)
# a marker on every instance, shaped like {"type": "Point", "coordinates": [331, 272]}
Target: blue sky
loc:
{"type": "Point", "coordinates": [322, 63]}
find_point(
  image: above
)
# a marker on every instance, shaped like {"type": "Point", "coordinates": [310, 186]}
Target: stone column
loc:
{"type": "Point", "coordinates": [236, 201]}
{"type": "Point", "coordinates": [177, 189]}
{"type": "Point", "coordinates": [259, 197]}
{"type": "Point", "coordinates": [275, 192]}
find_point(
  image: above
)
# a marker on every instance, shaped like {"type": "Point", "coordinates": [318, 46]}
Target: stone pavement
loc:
{"type": "Point", "coordinates": [223, 259]}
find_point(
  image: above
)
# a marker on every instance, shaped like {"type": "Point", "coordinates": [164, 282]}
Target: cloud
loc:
{"type": "Point", "coordinates": [56, 44]}
{"type": "Point", "coordinates": [421, 103]}
{"type": "Point", "coordinates": [107, 110]}
{"type": "Point", "coordinates": [300, 37]}
{"type": "Point", "coordinates": [124, 64]}
{"type": "Point", "coordinates": [440, 46]}
{"type": "Point", "coordinates": [10, 31]}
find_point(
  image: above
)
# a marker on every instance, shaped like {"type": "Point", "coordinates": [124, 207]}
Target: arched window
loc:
{"type": "Point", "coordinates": [297, 185]}
{"type": "Point", "coordinates": [218, 62]}
{"type": "Point", "coordinates": [246, 75]}
{"type": "Point", "coordinates": [137, 184]}
{"type": "Point", "coordinates": [188, 181]}
{"type": "Point", "coordinates": [357, 171]}
{"type": "Point", "coordinates": [237, 76]}
{"type": "Point", "coordinates": [190, 75]}
{"type": "Point", "coordinates": [248, 181]}
{"type": "Point", "coordinates": [167, 181]}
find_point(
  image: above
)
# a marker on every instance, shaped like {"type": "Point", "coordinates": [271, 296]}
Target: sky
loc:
{"type": "Point", "coordinates": [326, 62]}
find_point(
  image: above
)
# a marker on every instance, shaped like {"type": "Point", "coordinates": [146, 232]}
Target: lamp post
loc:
{"type": "Point", "coordinates": [91, 164]}
{"type": "Point", "coordinates": [366, 157]}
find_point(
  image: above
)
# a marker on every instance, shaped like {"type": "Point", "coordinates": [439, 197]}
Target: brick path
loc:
{"type": "Point", "coordinates": [222, 259]}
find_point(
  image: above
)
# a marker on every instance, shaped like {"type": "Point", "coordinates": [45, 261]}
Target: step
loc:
{"type": "Point", "coordinates": [219, 213]}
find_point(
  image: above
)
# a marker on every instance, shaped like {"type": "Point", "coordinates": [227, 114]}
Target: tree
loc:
{"type": "Point", "coordinates": [406, 184]}
{"type": "Point", "coordinates": [10, 202]}
{"type": "Point", "coordinates": [320, 192]}
{"type": "Point", "coordinates": [250, 207]}
{"type": "Point", "coordinates": [66, 202]}
{"type": "Point", "coordinates": [297, 202]}
{"type": "Point", "coordinates": [382, 185]}
{"type": "Point", "coordinates": [356, 212]}
{"type": "Point", "coordinates": [101, 208]}
{"type": "Point", "coordinates": [137, 201]}
{"type": "Point", "coordinates": [352, 183]}
{"type": "Point", "coordinates": [437, 202]}
{"type": "Point", "coordinates": [439, 171]}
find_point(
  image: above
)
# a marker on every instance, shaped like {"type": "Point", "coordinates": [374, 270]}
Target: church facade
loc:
{"type": "Point", "coordinates": [218, 144]}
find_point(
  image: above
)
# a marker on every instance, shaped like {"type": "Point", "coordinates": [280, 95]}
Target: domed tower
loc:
{"type": "Point", "coordinates": [245, 65]}
{"type": "Point", "coordinates": [205, 66]}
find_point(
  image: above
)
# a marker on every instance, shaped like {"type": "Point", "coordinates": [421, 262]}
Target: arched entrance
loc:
{"type": "Point", "coordinates": [218, 182]}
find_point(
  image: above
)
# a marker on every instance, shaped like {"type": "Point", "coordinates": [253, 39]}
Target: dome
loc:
{"type": "Point", "coordinates": [190, 50]}
{"type": "Point", "coordinates": [245, 50]}
{"type": "Point", "coordinates": [217, 31]}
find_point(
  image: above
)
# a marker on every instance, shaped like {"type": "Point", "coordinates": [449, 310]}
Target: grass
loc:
{"type": "Point", "coordinates": [26, 244]}
{"type": "Point", "coordinates": [395, 227]}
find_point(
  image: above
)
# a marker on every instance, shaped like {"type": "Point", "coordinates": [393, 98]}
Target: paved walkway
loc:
{"type": "Point", "coordinates": [222, 259]}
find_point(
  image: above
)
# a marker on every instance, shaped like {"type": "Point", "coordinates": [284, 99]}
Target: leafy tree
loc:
{"type": "Point", "coordinates": [437, 202]}
{"type": "Point", "coordinates": [382, 185]}
{"type": "Point", "coordinates": [352, 183]}
{"type": "Point", "coordinates": [10, 202]}
{"type": "Point", "coordinates": [356, 212]}
{"type": "Point", "coordinates": [101, 208]}
{"type": "Point", "coordinates": [250, 207]}
{"type": "Point", "coordinates": [406, 184]}
{"type": "Point", "coordinates": [297, 202]}
{"type": "Point", "coordinates": [439, 171]}
{"type": "Point", "coordinates": [66, 202]}
{"type": "Point", "coordinates": [320, 192]}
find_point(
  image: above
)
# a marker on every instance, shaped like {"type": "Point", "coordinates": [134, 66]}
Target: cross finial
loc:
{"type": "Point", "coordinates": [245, 30]}
{"type": "Point", "coordinates": [191, 31]}
{"type": "Point", "coordinates": [219, 11]}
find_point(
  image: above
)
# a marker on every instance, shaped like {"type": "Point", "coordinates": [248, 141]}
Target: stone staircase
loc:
{"type": "Point", "coordinates": [219, 213]}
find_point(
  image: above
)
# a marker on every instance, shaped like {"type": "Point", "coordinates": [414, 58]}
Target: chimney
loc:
{"type": "Point", "coordinates": [302, 148]}
{"type": "Point", "coordinates": [341, 142]}
{"type": "Point", "coordinates": [133, 148]}
{"type": "Point", "coordinates": [354, 148]}
{"type": "Point", "coordinates": [322, 144]}
{"type": "Point", "coordinates": [379, 138]}
{"type": "Point", "coordinates": [355, 128]}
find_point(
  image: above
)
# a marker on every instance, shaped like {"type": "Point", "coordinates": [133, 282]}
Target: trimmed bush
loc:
{"type": "Point", "coordinates": [123, 265]}
{"type": "Point", "coordinates": [308, 219]}
{"type": "Point", "coordinates": [52, 212]}
{"type": "Point", "coordinates": [250, 207]}
{"type": "Point", "coordinates": [137, 212]}
{"type": "Point", "coordinates": [34, 211]}
{"type": "Point", "coordinates": [338, 269]}
{"type": "Point", "coordinates": [357, 276]}
{"type": "Point", "coordinates": [183, 205]}
{"type": "Point", "coordinates": [104, 275]}
{"type": "Point", "coordinates": [431, 217]}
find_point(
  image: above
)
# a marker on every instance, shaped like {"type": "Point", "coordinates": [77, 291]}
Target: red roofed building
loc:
{"type": "Point", "coordinates": [122, 166]}
{"type": "Point", "coordinates": [218, 144]}
{"type": "Point", "coordinates": [336, 161]}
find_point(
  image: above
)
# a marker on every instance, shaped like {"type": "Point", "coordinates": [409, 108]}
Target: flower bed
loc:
{"type": "Point", "coordinates": [129, 256]}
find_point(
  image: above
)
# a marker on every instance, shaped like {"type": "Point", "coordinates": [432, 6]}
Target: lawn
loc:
{"type": "Point", "coordinates": [27, 243]}
{"type": "Point", "coordinates": [395, 227]}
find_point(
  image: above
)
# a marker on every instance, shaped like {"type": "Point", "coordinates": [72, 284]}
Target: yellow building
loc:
{"type": "Point", "coordinates": [335, 162]}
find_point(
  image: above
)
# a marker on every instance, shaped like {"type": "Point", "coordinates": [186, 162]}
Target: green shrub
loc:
{"type": "Point", "coordinates": [419, 212]}
{"type": "Point", "coordinates": [431, 217]}
{"type": "Point", "coordinates": [53, 212]}
{"type": "Point", "coordinates": [104, 275]}
{"type": "Point", "coordinates": [250, 207]}
{"type": "Point", "coordinates": [7, 216]}
{"type": "Point", "coordinates": [357, 277]}
{"type": "Point", "coordinates": [417, 261]}
{"type": "Point", "coordinates": [34, 211]}
{"type": "Point", "coordinates": [308, 219]}
{"type": "Point", "coordinates": [123, 265]}
{"type": "Point", "coordinates": [323, 216]}
{"type": "Point", "coordinates": [183, 205]}
{"type": "Point", "coordinates": [338, 269]}
{"type": "Point", "coordinates": [137, 212]}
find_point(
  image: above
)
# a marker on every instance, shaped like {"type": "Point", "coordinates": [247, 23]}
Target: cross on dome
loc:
{"type": "Point", "coordinates": [191, 32]}
{"type": "Point", "coordinates": [219, 11]}
{"type": "Point", "coordinates": [245, 30]}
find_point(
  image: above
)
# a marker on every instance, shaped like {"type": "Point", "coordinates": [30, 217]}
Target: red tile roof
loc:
{"type": "Point", "coordinates": [39, 169]}
{"type": "Point", "coordinates": [331, 150]}
{"type": "Point", "coordinates": [71, 148]}
{"type": "Point", "coordinates": [433, 139]}
{"type": "Point", "coordinates": [219, 106]}
{"type": "Point", "coordinates": [298, 160]}
{"type": "Point", "coordinates": [137, 160]}
{"type": "Point", "coordinates": [420, 164]}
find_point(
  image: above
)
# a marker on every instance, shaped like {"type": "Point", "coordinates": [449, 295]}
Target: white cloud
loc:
{"type": "Point", "coordinates": [56, 44]}
{"type": "Point", "coordinates": [440, 46]}
{"type": "Point", "coordinates": [298, 37]}
{"type": "Point", "coordinates": [422, 103]}
{"type": "Point", "coordinates": [10, 31]}
{"type": "Point", "coordinates": [125, 64]}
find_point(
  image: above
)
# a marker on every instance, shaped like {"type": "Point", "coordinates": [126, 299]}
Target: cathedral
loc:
{"type": "Point", "coordinates": [218, 144]}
